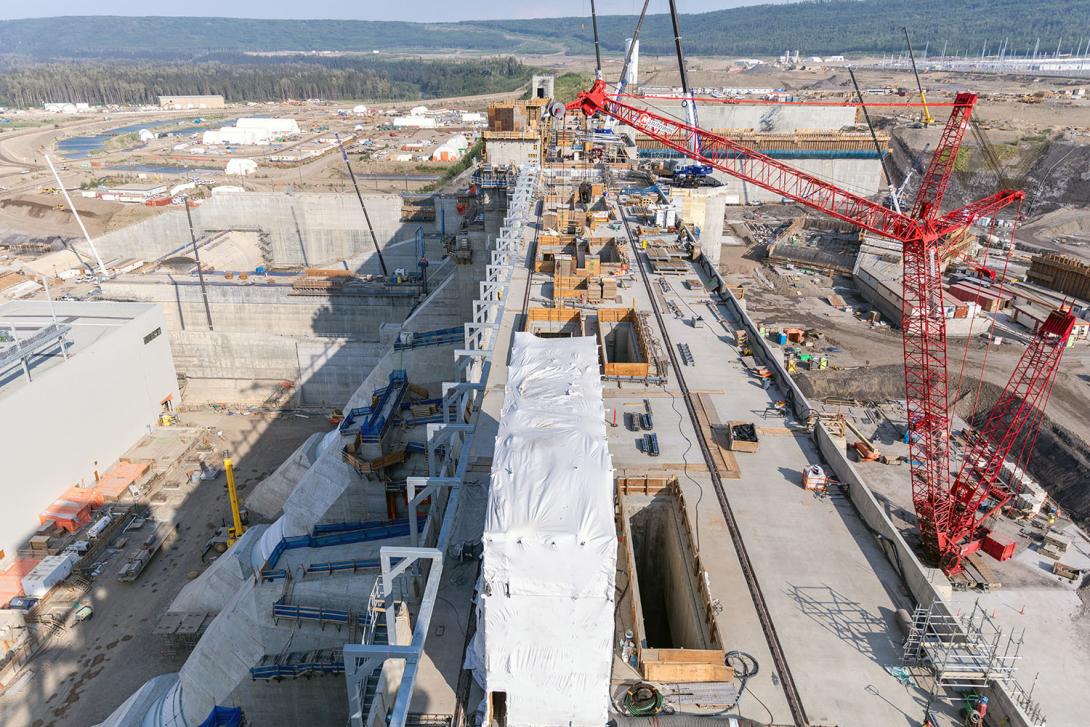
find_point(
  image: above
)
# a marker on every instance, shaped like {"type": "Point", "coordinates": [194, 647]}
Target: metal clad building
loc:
{"type": "Point", "coordinates": [74, 396]}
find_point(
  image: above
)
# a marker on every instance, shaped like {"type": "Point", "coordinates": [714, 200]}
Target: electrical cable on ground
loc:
{"type": "Point", "coordinates": [685, 460]}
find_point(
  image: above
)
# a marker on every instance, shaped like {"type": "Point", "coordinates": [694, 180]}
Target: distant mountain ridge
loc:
{"type": "Point", "coordinates": [818, 27]}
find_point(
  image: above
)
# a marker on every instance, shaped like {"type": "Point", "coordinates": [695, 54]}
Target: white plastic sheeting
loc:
{"type": "Point", "coordinates": [545, 608]}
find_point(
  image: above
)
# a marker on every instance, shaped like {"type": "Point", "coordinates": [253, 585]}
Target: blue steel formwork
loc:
{"type": "Point", "coordinates": [438, 337]}
{"type": "Point", "coordinates": [374, 420]}
{"type": "Point", "coordinates": [488, 178]}
{"type": "Point", "coordinates": [330, 534]}
{"type": "Point", "coordinates": [323, 616]}
{"type": "Point", "coordinates": [298, 664]}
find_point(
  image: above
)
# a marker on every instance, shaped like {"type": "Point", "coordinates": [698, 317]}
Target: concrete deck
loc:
{"type": "Point", "coordinates": [1047, 610]}
{"type": "Point", "coordinates": [831, 593]}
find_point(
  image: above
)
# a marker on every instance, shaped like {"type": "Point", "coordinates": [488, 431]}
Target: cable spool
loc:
{"type": "Point", "coordinates": [642, 700]}
{"type": "Point", "coordinates": [557, 109]}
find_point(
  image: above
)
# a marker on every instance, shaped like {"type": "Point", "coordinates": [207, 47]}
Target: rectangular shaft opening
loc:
{"type": "Point", "coordinates": [672, 610]}
{"type": "Point", "coordinates": [622, 343]}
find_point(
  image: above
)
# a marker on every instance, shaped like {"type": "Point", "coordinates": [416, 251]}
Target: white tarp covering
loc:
{"type": "Point", "coordinates": [545, 609]}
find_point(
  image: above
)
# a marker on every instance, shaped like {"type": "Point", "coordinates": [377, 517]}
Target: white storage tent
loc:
{"type": "Point", "coordinates": [415, 122]}
{"type": "Point", "coordinates": [252, 132]}
{"type": "Point", "coordinates": [543, 646]}
{"type": "Point", "coordinates": [273, 127]}
{"type": "Point", "coordinates": [241, 167]}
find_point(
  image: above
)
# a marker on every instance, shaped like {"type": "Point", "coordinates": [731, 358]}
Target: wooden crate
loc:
{"type": "Point", "coordinates": [739, 445]}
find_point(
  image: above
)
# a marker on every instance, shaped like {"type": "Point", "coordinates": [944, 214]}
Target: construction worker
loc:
{"type": "Point", "coordinates": [981, 711]}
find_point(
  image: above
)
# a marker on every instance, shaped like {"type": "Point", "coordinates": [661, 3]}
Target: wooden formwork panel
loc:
{"type": "Point", "coordinates": [685, 665]}
{"type": "Point", "coordinates": [555, 315]}
{"type": "Point", "coordinates": [559, 316]}
{"type": "Point", "coordinates": [635, 370]}
{"type": "Point", "coordinates": [647, 484]}
{"type": "Point", "coordinates": [616, 315]}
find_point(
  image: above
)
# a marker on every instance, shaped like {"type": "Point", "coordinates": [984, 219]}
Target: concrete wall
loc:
{"type": "Point", "coordinates": [248, 367]}
{"type": "Point", "coordinates": [80, 415]}
{"type": "Point", "coordinates": [501, 152]}
{"type": "Point", "coordinates": [261, 307]}
{"type": "Point", "coordinates": [861, 176]}
{"type": "Point", "coordinates": [761, 117]}
{"type": "Point", "coordinates": [705, 207]}
{"type": "Point", "coordinates": [880, 295]}
{"type": "Point", "coordinates": [303, 229]}
{"type": "Point", "coordinates": [664, 566]}
{"type": "Point", "coordinates": [264, 334]}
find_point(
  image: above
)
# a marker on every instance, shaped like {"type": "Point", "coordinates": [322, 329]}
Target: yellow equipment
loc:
{"type": "Point", "coordinates": [925, 114]}
{"type": "Point", "coordinates": [237, 528]}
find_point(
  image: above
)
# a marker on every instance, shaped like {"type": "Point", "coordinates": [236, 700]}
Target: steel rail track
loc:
{"type": "Point", "coordinates": [787, 681]}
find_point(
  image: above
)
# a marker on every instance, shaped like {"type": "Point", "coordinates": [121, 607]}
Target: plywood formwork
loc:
{"type": "Point", "coordinates": [624, 343]}
{"type": "Point", "coordinates": [554, 322]}
{"type": "Point", "coordinates": [700, 658]}
{"type": "Point", "coordinates": [1060, 273]}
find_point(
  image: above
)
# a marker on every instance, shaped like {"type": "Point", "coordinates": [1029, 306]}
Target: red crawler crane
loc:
{"type": "Point", "coordinates": [947, 517]}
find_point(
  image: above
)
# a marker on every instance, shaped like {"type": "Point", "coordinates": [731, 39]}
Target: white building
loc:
{"type": "Point", "coordinates": [275, 127]}
{"type": "Point", "coordinates": [472, 117]}
{"type": "Point", "coordinates": [69, 410]}
{"type": "Point", "coordinates": [67, 108]}
{"type": "Point", "coordinates": [180, 103]}
{"type": "Point", "coordinates": [252, 132]}
{"type": "Point", "coordinates": [132, 193]}
{"type": "Point", "coordinates": [415, 122]}
{"type": "Point", "coordinates": [418, 111]}
{"type": "Point", "coordinates": [451, 150]}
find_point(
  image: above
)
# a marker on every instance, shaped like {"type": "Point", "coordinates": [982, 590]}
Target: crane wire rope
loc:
{"type": "Point", "coordinates": [857, 189]}
{"type": "Point", "coordinates": [968, 339]}
{"type": "Point", "coordinates": [995, 315]}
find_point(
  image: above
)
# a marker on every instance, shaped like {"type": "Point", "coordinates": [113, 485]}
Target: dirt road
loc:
{"type": "Point", "coordinates": [92, 667]}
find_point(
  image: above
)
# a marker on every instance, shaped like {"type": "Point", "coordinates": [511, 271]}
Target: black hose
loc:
{"type": "Point", "coordinates": [747, 668]}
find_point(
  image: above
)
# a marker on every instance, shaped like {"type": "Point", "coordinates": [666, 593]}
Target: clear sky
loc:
{"type": "Point", "coordinates": [418, 10]}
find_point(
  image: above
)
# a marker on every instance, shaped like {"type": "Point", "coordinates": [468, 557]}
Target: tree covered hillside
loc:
{"type": "Point", "coordinates": [820, 27]}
